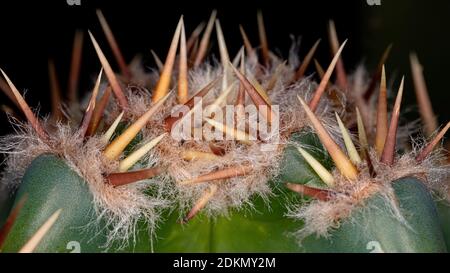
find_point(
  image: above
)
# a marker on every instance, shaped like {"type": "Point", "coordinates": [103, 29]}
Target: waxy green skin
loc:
{"type": "Point", "coordinates": [373, 229]}
{"type": "Point", "coordinates": [51, 185]}
{"type": "Point", "coordinates": [444, 214]}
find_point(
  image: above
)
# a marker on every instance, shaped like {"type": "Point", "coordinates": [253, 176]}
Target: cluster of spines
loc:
{"type": "Point", "coordinates": [192, 53]}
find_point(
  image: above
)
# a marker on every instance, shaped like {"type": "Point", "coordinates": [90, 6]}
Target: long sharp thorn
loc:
{"type": "Point", "coordinates": [377, 75]}
{"type": "Point", "coordinates": [192, 54]}
{"type": "Point", "coordinates": [369, 163]}
{"type": "Point", "coordinates": [263, 39]}
{"type": "Point", "coordinates": [55, 91]}
{"type": "Point", "coordinates": [158, 61]}
{"type": "Point", "coordinates": [224, 56]}
{"type": "Point", "coordinates": [137, 155]}
{"type": "Point", "coordinates": [240, 99]}
{"type": "Point", "coordinates": [321, 171]}
{"type": "Point", "coordinates": [234, 133]}
{"type": "Point", "coordinates": [75, 66]}
{"type": "Point", "coordinates": [318, 194]}
{"type": "Point", "coordinates": [4, 231]}
{"type": "Point", "coordinates": [110, 132]}
{"type": "Point", "coordinates": [361, 131]}
{"type": "Point", "coordinates": [193, 38]}
{"type": "Point", "coordinates": [183, 70]}
{"type": "Point", "coordinates": [382, 116]}
{"type": "Point", "coordinates": [114, 45]}
{"type": "Point", "coordinates": [201, 203]}
{"type": "Point", "coordinates": [31, 245]}
{"type": "Point", "coordinates": [306, 61]}
{"type": "Point", "coordinates": [170, 121]}
{"type": "Point", "coordinates": [340, 70]}
{"type": "Point", "coordinates": [351, 149]}
{"type": "Point", "coordinates": [262, 92]}
{"type": "Point", "coordinates": [162, 87]}
{"type": "Point", "coordinates": [238, 57]}
{"type": "Point", "coordinates": [319, 69]}
{"type": "Point", "coordinates": [387, 157]}
{"type": "Point", "coordinates": [99, 110]}
{"type": "Point", "coordinates": [121, 179]}
{"type": "Point", "coordinates": [256, 97]}
{"type": "Point", "coordinates": [7, 90]}
{"type": "Point", "coordinates": [26, 109]}
{"type": "Point", "coordinates": [220, 175]}
{"type": "Point", "coordinates": [326, 78]}
{"type": "Point", "coordinates": [91, 106]}
{"type": "Point", "coordinates": [201, 53]}
{"type": "Point", "coordinates": [119, 144]}
{"type": "Point", "coordinates": [341, 161]}
{"type": "Point", "coordinates": [430, 147]}
{"type": "Point", "coordinates": [423, 98]}
{"type": "Point", "coordinates": [248, 46]}
{"type": "Point", "coordinates": [115, 85]}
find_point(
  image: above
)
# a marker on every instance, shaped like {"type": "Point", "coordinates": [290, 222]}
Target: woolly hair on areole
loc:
{"type": "Point", "coordinates": [108, 173]}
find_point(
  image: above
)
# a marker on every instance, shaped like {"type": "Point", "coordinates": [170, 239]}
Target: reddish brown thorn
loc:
{"type": "Point", "coordinates": [377, 75]}
{"type": "Point", "coordinates": [340, 70]}
{"type": "Point", "coordinates": [326, 78]}
{"type": "Point", "coordinates": [382, 115]}
{"type": "Point", "coordinates": [26, 110]}
{"type": "Point", "coordinates": [90, 108]}
{"type": "Point", "coordinates": [114, 45]}
{"type": "Point", "coordinates": [256, 97]}
{"type": "Point", "coordinates": [306, 61]}
{"type": "Point", "coordinates": [248, 46]}
{"type": "Point", "coordinates": [121, 179]}
{"type": "Point", "coordinates": [170, 121]}
{"type": "Point", "coordinates": [75, 65]}
{"type": "Point", "coordinates": [430, 147]}
{"type": "Point", "coordinates": [322, 195]}
{"type": "Point", "coordinates": [99, 110]}
{"type": "Point", "coordinates": [423, 98]}
{"type": "Point", "coordinates": [369, 163]}
{"type": "Point", "coordinates": [240, 99]}
{"type": "Point", "coordinates": [55, 91]}
{"type": "Point", "coordinates": [319, 69]}
{"type": "Point", "coordinates": [192, 54]}
{"type": "Point", "coordinates": [194, 36]}
{"type": "Point", "coordinates": [201, 203]}
{"type": "Point", "coordinates": [205, 40]}
{"type": "Point", "coordinates": [387, 157]}
{"type": "Point", "coordinates": [263, 39]}
{"type": "Point", "coordinates": [116, 88]}
{"type": "Point", "coordinates": [220, 175]}
{"type": "Point", "coordinates": [4, 231]}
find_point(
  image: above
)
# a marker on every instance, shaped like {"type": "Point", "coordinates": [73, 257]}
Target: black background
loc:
{"type": "Point", "coordinates": [33, 31]}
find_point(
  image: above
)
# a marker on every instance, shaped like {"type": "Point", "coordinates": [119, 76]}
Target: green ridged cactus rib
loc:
{"type": "Point", "coordinates": [151, 171]}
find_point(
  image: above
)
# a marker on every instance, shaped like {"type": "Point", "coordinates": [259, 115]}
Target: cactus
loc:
{"type": "Point", "coordinates": [122, 176]}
